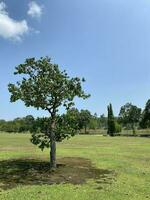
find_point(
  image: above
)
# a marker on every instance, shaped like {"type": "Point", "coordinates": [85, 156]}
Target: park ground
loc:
{"type": "Point", "coordinates": [89, 168]}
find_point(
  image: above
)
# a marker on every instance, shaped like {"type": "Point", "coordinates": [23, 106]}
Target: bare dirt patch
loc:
{"type": "Point", "coordinates": [35, 172]}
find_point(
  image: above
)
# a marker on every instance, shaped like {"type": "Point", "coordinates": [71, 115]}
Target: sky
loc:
{"type": "Point", "coordinates": [106, 42]}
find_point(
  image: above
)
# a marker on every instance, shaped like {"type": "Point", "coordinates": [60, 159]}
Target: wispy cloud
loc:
{"type": "Point", "coordinates": [10, 28]}
{"type": "Point", "coordinates": [35, 10]}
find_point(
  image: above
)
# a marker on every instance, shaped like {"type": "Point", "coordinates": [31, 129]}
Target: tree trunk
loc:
{"type": "Point", "coordinates": [52, 146]}
{"type": "Point", "coordinates": [53, 154]}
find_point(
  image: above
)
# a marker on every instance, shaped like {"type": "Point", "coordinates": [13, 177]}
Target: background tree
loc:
{"type": "Point", "coordinates": [73, 117]}
{"type": "Point", "coordinates": [28, 121]}
{"type": "Point", "coordinates": [45, 86]}
{"type": "Point", "coordinates": [19, 125]}
{"type": "Point", "coordinates": [102, 122]}
{"type": "Point", "coordinates": [85, 117]}
{"type": "Point", "coordinates": [2, 124]}
{"type": "Point", "coordinates": [145, 119]}
{"type": "Point", "coordinates": [130, 115]}
{"type": "Point", "coordinates": [118, 127]}
{"type": "Point", "coordinates": [111, 121]}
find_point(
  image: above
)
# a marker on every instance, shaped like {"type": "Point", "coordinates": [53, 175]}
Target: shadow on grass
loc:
{"type": "Point", "coordinates": [35, 172]}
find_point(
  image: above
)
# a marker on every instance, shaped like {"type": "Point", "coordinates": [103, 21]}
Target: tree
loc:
{"type": "Point", "coordinates": [118, 127]}
{"type": "Point", "coordinates": [19, 124]}
{"type": "Point", "coordinates": [85, 117]}
{"type": "Point", "coordinates": [93, 122]}
{"type": "Point", "coordinates": [130, 115]}
{"type": "Point", "coordinates": [45, 86]}
{"type": "Point", "coordinates": [102, 122]}
{"type": "Point", "coordinates": [111, 121]}
{"type": "Point", "coordinates": [28, 121]}
{"type": "Point", "coordinates": [145, 119]}
{"type": "Point", "coordinates": [2, 124]}
{"type": "Point", "coordinates": [73, 117]}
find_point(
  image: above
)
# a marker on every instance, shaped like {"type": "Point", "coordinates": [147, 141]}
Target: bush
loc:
{"type": "Point", "coordinates": [118, 127]}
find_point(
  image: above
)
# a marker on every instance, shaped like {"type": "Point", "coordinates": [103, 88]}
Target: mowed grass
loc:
{"type": "Point", "coordinates": [127, 159]}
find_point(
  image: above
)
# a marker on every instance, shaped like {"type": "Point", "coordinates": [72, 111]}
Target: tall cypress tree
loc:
{"type": "Point", "coordinates": [111, 121]}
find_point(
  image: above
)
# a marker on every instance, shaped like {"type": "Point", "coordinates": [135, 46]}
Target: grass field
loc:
{"type": "Point", "coordinates": [90, 168]}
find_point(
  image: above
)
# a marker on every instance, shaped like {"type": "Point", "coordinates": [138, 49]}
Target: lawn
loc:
{"type": "Point", "coordinates": [90, 168]}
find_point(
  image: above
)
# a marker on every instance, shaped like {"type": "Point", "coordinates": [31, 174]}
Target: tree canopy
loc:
{"type": "Point", "coordinates": [129, 115]}
{"type": "Point", "coordinates": [84, 119]}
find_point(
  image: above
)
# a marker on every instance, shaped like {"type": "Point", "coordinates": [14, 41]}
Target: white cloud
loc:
{"type": "Point", "coordinates": [35, 10]}
{"type": "Point", "coordinates": [10, 28]}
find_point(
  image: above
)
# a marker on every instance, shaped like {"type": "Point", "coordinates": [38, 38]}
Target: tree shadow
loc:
{"type": "Point", "coordinates": [35, 172]}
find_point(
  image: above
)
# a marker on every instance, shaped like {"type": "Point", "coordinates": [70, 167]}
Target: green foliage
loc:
{"type": "Point", "coordinates": [145, 119]}
{"type": "Point", "coordinates": [66, 126]}
{"type": "Point", "coordinates": [130, 115]}
{"type": "Point", "coordinates": [111, 121]}
{"type": "Point", "coordinates": [118, 127]}
{"type": "Point", "coordinates": [73, 117]}
{"type": "Point", "coordinates": [102, 122]}
{"type": "Point", "coordinates": [84, 119]}
{"type": "Point", "coordinates": [43, 85]}
{"type": "Point", "coordinates": [93, 123]}
{"type": "Point", "coordinates": [19, 125]}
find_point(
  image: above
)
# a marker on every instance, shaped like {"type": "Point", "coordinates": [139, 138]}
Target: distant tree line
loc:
{"type": "Point", "coordinates": [19, 125]}
{"type": "Point", "coordinates": [82, 120]}
{"type": "Point", "coordinates": [130, 118]}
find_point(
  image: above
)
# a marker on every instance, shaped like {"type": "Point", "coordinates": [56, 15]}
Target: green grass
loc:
{"type": "Point", "coordinates": [127, 157]}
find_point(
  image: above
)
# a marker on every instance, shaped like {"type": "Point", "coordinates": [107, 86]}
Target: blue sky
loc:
{"type": "Point", "coordinates": [107, 42]}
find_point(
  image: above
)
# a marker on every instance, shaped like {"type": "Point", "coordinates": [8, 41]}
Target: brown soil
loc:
{"type": "Point", "coordinates": [35, 172]}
